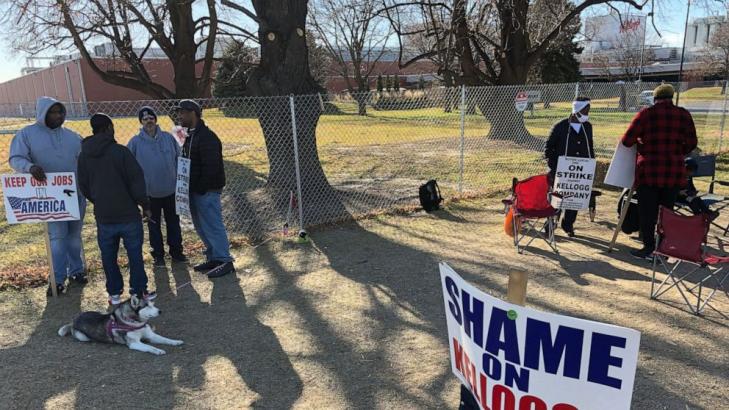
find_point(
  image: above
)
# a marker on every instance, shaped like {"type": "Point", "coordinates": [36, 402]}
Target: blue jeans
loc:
{"type": "Point", "coordinates": [207, 216]}
{"type": "Point", "coordinates": [66, 245]}
{"type": "Point", "coordinates": [109, 236]}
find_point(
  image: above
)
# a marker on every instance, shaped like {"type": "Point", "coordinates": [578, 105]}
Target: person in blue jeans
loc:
{"type": "Point", "coordinates": [46, 146]}
{"type": "Point", "coordinates": [111, 178]}
{"type": "Point", "coordinates": [157, 152]}
{"type": "Point", "coordinates": [207, 180]}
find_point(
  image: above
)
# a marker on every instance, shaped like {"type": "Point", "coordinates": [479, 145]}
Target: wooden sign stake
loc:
{"type": "Point", "coordinates": [51, 275]}
{"type": "Point", "coordinates": [623, 214]}
{"type": "Point", "coordinates": [516, 290]}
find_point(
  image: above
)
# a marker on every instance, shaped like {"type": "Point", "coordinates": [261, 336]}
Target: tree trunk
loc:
{"type": "Point", "coordinates": [184, 58]}
{"type": "Point", "coordinates": [507, 124]}
{"type": "Point", "coordinates": [284, 70]}
{"type": "Point", "coordinates": [448, 99]}
{"type": "Point", "coordinates": [362, 97]}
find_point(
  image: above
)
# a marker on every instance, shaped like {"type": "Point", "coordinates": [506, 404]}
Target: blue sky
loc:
{"type": "Point", "coordinates": [670, 20]}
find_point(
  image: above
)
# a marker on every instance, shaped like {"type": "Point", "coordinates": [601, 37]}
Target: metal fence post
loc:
{"type": "Point", "coordinates": [463, 141]}
{"type": "Point", "coordinates": [296, 161]}
{"type": "Point", "coordinates": [723, 115]}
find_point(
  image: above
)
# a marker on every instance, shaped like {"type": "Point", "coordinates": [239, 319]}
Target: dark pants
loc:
{"type": "Point", "coordinates": [172, 222]}
{"type": "Point", "coordinates": [109, 236]}
{"type": "Point", "coordinates": [568, 220]}
{"type": "Point", "coordinates": [650, 198]}
{"type": "Point", "coordinates": [467, 401]}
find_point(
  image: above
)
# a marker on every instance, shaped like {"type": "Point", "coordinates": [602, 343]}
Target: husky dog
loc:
{"type": "Point", "coordinates": [126, 324]}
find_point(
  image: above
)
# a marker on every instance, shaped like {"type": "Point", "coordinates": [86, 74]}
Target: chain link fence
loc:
{"type": "Point", "coordinates": [324, 158]}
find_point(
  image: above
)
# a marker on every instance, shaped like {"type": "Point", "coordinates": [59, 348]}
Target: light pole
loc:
{"type": "Point", "coordinates": [642, 48]}
{"type": "Point", "coordinates": [683, 51]}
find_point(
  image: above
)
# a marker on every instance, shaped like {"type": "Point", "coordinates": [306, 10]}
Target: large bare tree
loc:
{"type": "Point", "coordinates": [355, 37]}
{"type": "Point", "coordinates": [494, 41]}
{"type": "Point", "coordinates": [283, 70]}
{"type": "Point", "coordinates": [133, 28]}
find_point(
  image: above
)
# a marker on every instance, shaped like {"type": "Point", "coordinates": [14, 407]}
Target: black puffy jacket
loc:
{"type": "Point", "coordinates": [205, 151]}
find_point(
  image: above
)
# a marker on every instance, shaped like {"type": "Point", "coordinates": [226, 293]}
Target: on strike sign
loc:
{"type": "Point", "coordinates": [182, 188]}
{"type": "Point", "coordinates": [573, 181]}
{"type": "Point", "coordinates": [513, 357]}
{"type": "Point", "coordinates": [28, 200]}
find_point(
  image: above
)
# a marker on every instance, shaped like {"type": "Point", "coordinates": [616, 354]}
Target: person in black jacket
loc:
{"type": "Point", "coordinates": [690, 195]}
{"type": "Point", "coordinates": [571, 137]}
{"type": "Point", "coordinates": [207, 180]}
{"type": "Point", "coordinates": [110, 177]}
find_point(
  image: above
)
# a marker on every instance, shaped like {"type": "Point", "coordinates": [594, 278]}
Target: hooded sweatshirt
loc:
{"type": "Point", "coordinates": [110, 177]}
{"type": "Point", "coordinates": [54, 150]}
{"type": "Point", "coordinates": [158, 158]}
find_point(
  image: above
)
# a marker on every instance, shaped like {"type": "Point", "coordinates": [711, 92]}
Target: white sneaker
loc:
{"type": "Point", "coordinates": [114, 300]}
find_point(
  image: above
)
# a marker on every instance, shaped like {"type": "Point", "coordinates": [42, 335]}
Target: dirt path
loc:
{"type": "Point", "coordinates": [354, 320]}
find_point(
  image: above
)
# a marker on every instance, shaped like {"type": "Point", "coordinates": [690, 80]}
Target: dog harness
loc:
{"type": "Point", "coordinates": [113, 325]}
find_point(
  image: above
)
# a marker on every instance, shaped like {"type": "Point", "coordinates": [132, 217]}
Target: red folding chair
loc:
{"type": "Point", "coordinates": [531, 203]}
{"type": "Point", "coordinates": [681, 241]}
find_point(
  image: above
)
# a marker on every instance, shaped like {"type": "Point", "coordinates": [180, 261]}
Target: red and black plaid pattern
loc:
{"type": "Point", "coordinates": [665, 134]}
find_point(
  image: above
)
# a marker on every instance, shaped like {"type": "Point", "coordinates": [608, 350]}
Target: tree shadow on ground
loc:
{"type": "Point", "coordinates": [91, 375]}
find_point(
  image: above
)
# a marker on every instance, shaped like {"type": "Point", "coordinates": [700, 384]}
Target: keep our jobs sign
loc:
{"type": "Point", "coordinates": [28, 200]}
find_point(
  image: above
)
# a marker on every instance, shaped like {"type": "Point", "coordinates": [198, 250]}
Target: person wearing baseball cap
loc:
{"type": "Point", "coordinates": [110, 177]}
{"type": "Point", "coordinates": [664, 134]}
{"type": "Point", "coordinates": [157, 152]}
{"type": "Point", "coordinates": [207, 180]}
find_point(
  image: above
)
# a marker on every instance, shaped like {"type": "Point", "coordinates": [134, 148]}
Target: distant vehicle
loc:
{"type": "Point", "coordinates": [646, 98]}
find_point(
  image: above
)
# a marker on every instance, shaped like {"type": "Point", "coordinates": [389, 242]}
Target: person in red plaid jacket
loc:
{"type": "Point", "coordinates": [665, 134]}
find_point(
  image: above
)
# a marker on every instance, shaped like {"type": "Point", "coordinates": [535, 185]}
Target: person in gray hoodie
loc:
{"type": "Point", "coordinates": [157, 152]}
{"type": "Point", "coordinates": [46, 146]}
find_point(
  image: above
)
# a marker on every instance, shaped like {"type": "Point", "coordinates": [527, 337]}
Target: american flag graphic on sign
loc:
{"type": "Point", "coordinates": [16, 204]}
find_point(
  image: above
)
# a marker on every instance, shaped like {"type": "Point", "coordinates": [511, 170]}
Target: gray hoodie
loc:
{"type": "Point", "coordinates": [158, 158]}
{"type": "Point", "coordinates": [53, 150]}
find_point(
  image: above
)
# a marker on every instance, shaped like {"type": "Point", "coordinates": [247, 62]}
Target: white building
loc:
{"type": "Point", "coordinates": [700, 31]}
{"type": "Point", "coordinates": [613, 31]}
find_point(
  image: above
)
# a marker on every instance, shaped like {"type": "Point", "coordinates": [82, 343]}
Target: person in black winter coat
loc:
{"type": "Point", "coordinates": [207, 180]}
{"type": "Point", "coordinates": [571, 137]}
{"type": "Point", "coordinates": [110, 177]}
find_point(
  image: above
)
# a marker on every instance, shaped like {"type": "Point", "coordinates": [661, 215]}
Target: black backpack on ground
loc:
{"type": "Point", "coordinates": [632, 219]}
{"type": "Point", "coordinates": [430, 198]}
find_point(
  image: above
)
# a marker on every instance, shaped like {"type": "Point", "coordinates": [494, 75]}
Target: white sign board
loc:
{"type": "Point", "coordinates": [621, 172]}
{"type": "Point", "coordinates": [534, 96]}
{"type": "Point", "coordinates": [28, 200]}
{"type": "Point", "coordinates": [515, 357]}
{"type": "Point", "coordinates": [521, 101]}
{"type": "Point", "coordinates": [573, 181]}
{"type": "Point", "coordinates": [182, 188]}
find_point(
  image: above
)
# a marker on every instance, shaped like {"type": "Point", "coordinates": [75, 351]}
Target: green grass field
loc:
{"type": "Point", "coordinates": [385, 154]}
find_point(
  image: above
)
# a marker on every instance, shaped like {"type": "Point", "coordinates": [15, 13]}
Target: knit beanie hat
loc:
{"type": "Point", "coordinates": [99, 122]}
{"type": "Point", "coordinates": [663, 91]}
{"type": "Point", "coordinates": [146, 111]}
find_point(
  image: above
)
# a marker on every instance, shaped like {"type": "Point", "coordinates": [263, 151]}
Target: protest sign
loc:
{"type": "Point", "coordinates": [621, 172]}
{"type": "Point", "coordinates": [573, 181]}
{"type": "Point", "coordinates": [514, 357]}
{"type": "Point", "coordinates": [182, 188]}
{"type": "Point", "coordinates": [521, 101]}
{"type": "Point", "coordinates": [28, 200]}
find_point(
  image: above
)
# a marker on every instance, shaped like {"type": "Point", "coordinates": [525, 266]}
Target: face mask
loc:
{"type": "Point", "coordinates": [582, 118]}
